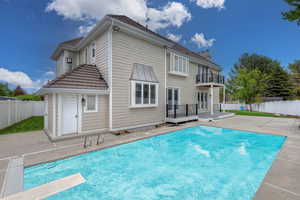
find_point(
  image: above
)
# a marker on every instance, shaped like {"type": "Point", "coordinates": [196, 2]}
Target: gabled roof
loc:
{"type": "Point", "coordinates": [72, 42]}
{"type": "Point", "coordinates": [122, 18]}
{"type": "Point", "coordinates": [82, 77]}
{"type": "Point", "coordinates": [176, 46]}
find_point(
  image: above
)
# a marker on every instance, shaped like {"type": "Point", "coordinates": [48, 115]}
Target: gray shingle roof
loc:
{"type": "Point", "coordinates": [82, 77]}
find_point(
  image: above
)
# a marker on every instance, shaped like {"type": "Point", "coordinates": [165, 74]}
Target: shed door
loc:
{"type": "Point", "coordinates": [69, 114]}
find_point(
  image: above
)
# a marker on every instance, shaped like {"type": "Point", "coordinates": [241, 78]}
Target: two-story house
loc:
{"type": "Point", "coordinates": [124, 76]}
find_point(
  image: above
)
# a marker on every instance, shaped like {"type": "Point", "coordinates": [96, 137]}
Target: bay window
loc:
{"type": "Point", "coordinates": [144, 94]}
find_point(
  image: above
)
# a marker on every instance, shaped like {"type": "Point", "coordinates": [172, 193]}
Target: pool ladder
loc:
{"type": "Point", "coordinates": [88, 140]}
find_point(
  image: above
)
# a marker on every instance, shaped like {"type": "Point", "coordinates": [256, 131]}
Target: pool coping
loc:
{"type": "Point", "coordinates": [141, 137]}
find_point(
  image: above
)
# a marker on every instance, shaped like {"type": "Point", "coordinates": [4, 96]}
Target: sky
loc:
{"type": "Point", "coordinates": [31, 30]}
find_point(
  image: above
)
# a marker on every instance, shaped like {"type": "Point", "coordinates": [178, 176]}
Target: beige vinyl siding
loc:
{"type": "Point", "coordinates": [186, 85]}
{"type": "Point", "coordinates": [96, 120]}
{"type": "Point", "coordinates": [102, 54]}
{"type": "Point", "coordinates": [59, 64]}
{"type": "Point", "coordinates": [127, 50]}
{"type": "Point", "coordinates": [50, 113]}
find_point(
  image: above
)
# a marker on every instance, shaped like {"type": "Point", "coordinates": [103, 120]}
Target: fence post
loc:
{"type": "Point", "coordinates": [186, 109]}
{"type": "Point", "coordinates": [9, 113]}
{"type": "Point", "coordinates": [167, 110]}
{"type": "Point", "coordinates": [175, 107]}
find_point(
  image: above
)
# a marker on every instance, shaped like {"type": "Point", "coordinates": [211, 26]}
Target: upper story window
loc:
{"type": "Point", "coordinates": [179, 64]}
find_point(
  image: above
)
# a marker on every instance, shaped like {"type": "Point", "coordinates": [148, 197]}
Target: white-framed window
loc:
{"type": "Point", "coordinates": [179, 64]}
{"type": "Point", "coordinates": [91, 103]}
{"type": "Point", "coordinates": [144, 94]}
{"type": "Point", "coordinates": [93, 53]}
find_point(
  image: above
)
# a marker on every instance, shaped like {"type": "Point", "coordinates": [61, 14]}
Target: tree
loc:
{"type": "Point", "coordinates": [295, 67]}
{"type": "Point", "coordinates": [19, 91]}
{"type": "Point", "coordinates": [29, 97]}
{"type": "Point", "coordinates": [295, 75]}
{"type": "Point", "coordinates": [278, 84]}
{"type": "Point", "coordinates": [248, 84]}
{"type": "Point", "coordinates": [4, 90]}
{"type": "Point", "coordinates": [252, 62]}
{"type": "Point", "coordinates": [294, 14]}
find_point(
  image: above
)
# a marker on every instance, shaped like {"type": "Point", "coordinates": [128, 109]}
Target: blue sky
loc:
{"type": "Point", "coordinates": [30, 30]}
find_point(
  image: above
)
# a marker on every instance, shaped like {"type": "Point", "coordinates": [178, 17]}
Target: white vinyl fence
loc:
{"type": "Point", "coordinates": [13, 111]}
{"type": "Point", "coordinates": [277, 107]}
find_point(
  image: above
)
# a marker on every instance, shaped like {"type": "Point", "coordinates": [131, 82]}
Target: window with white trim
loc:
{"type": "Point", "coordinates": [144, 94]}
{"type": "Point", "coordinates": [91, 103]}
{"type": "Point", "coordinates": [179, 64]}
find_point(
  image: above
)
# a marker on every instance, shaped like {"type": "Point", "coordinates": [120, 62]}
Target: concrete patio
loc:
{"type": "Point", "coordinates": [281, 182]}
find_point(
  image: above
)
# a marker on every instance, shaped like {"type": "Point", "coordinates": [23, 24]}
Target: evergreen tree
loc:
{"type": "Point", "coordinates": [279, 84]}
{"type": "Point", "coordinates": [294, 14]}
{"type": "Point", "coordinates": [295, 75]}
{"type": "Point", "coordinates": [19, 91]}
{"type": "Point", "coordinates": [251, 62]}
{"type": "Point", "coordinates": [4, 90]}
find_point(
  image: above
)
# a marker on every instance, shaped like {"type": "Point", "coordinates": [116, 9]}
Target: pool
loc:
{"type": "Point", "coordinates": [198, 163]}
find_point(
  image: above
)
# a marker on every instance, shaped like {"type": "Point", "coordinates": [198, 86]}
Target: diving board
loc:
{"type": "Point", "coordinates": [49, 189]}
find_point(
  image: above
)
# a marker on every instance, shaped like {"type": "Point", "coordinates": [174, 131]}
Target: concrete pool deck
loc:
{"type": "Point", "coordinates": [281, 182]}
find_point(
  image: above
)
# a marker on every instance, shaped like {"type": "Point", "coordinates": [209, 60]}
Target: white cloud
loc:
{"type": "Point", "coordinates": [84, 29]}
{"type": "Point", "coordinates": [175, 38]}
{"type": "Point", "coordinates": [18, 78]}
{"type": "Point", "coordinates": [210, 3]}
{"type": "Point", "coordinates": [172, 14]}
{"type": "Point", "coordinates": [50, 73]}
{"type": "Point", "coordinates": [200, 41]}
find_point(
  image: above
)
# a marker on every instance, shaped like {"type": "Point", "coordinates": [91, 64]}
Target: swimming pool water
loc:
{"type": "Point", "coordinates": [199, 163]}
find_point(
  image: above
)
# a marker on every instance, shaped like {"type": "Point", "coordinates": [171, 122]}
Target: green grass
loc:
{"type": "Point", "coordinates": [30, 124]}
{"type": "Point", "coordinates": [248, 113]}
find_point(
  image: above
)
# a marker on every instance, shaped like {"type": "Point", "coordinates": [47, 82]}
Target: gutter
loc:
{"type": "Point", "coordinates": [43, 91]}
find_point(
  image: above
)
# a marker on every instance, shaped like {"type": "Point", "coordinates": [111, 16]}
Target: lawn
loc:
{"type": "Point", "coordinates": [30, 124]}
{"type": "Point", "coordinates": [248, 113]}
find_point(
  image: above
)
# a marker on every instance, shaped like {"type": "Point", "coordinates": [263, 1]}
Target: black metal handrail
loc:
{"type": "Point", "coordinates": [210, 78]}
{"type": "Point", "coordinates": [176, 111]}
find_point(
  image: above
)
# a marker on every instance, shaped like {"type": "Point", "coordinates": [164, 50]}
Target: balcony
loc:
{"type": "Point", "coordinates": [209, 79]}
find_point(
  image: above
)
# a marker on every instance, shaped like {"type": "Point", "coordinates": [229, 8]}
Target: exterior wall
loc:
{"type": "Point", "coordinates": [62, 66]}
{"type": "Point", "coordinates": [127, 50]}
{"type": "Point", "coordinates": [59, 64]}
{"type": "Point", "coordinates": [186, 85]}
{"type": "Point", "coordinates": [50, 113]}
{"type": "Point", "coordinates": [96, 120]}
{"type": "Point", "coordinates": [102, 54]}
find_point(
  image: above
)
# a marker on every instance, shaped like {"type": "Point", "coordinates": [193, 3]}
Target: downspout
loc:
{"type": "Point", "coordinates": [110, 73]}
{"type": "Point", "coordinates": [165, 92]}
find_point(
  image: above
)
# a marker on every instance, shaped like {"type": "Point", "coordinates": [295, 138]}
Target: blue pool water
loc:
{"type": "Point", "coordinates": [199, 163]}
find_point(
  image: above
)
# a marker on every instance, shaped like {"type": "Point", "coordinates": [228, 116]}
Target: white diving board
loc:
{"type": "Point", "coordinates": [49, 189]}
